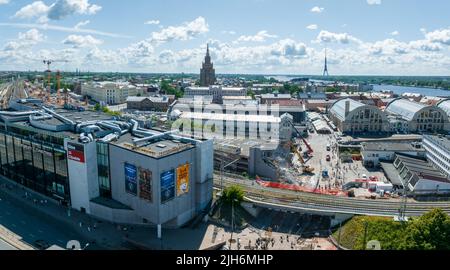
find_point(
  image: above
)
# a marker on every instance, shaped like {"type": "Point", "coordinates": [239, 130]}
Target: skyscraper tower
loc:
{"type": "Point", "coordinates": [207, 73]}
{"type": "Point", "coordinates": [325, 69]}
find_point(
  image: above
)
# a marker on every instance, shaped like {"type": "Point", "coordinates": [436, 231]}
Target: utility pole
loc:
{"type": "Point", "coordinates": [232, 221]}
{"type": "Point", "coordinates": [339, 236]}
{"type": "Point", "coordinates": [365, 235]}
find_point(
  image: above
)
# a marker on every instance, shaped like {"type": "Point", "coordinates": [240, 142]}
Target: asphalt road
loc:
{"type": "Point", "coordinates": [31, 226]}
{"type": "Point", "coordinates": [6, 246]}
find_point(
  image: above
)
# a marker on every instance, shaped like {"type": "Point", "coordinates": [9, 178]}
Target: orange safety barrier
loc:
{"type": "Point", "coordinates": [335, 192]}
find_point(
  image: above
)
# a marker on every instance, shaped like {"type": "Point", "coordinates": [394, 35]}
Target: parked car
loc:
{"type": "Point", "coordinates": [328, 158]}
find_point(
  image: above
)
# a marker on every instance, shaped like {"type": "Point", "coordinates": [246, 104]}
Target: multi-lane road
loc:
{"type": "Point", "coordinates": [327, 204]}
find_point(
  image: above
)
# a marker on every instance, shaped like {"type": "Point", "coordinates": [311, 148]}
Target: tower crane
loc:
{"type": "Point", "coordinates": [49, 62]}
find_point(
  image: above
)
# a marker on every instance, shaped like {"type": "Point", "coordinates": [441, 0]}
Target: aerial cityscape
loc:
{"type": "Point", "coordinates": [238, 125]}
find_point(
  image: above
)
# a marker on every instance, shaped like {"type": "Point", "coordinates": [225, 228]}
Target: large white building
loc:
{"type": "Point", "coordinates": [220, 126]}
{"type": "Point", "coordinates": [216, 91]}
{"type": "Point", "coordinates": [438, 152]}
{"type": "Point", "coordinates": [111, 93]}
{"type": "Point", "coordinates": [354, 117]}
{"type": "Point", "coordinates": [411, 116]}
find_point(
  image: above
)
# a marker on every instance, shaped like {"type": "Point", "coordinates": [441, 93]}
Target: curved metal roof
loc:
{"type": "Point", "coordinates": [405, 108]}
{"type": "Point", "coordinates": [445, 105]}
{"type": "Point", "coordinates": [338, 108]}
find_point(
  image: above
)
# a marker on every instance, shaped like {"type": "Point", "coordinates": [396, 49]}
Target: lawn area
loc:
{"type": "Point", "coordinates": [428, 232]}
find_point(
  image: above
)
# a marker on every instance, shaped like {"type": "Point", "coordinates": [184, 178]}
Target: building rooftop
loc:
{"type": "Point", "coordinates": [276, 96]}
{"type": "Point", "coordinates": [405, 108]}
{"type": "Point", "coordinates": [230, 117]}
{"type": "Point", "coordinates": [422, 168]}
{"type": "Point", "coordinates": [390, 146]}
{"type": "Point", "coordinates": [338, 108]}
{"type": "Point", "coordinates": [441, 141]}
{"type": "Point", "coordinates": [445, 105]}
{"type": "Point", "coordinates": [156, 148]}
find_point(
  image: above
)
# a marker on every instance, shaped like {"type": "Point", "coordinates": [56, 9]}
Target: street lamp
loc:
{"type": "Point", "coordinates": [232, 220]}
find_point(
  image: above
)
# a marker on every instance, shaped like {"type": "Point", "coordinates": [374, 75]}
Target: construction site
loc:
{"type": "Point", "coordinates": [46, 89]}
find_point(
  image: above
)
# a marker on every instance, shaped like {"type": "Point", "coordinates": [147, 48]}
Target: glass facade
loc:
{"type": "Point", "coordinates": [39, 166]}
{"type": "Point", "coordinates": [104, 181]}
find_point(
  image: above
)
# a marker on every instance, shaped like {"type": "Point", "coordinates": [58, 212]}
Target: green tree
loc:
{"type": "Point", "coordinates": [232, 193]}
{"type": "Point", "coordinates": [97, 107]}
{"type": "Point", "coordinates": [429, 232]}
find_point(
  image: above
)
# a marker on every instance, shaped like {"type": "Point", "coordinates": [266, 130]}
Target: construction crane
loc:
{"type": "Point", "coordinates": [49, 62]}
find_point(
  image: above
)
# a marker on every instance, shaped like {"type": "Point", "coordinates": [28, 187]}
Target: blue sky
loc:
{"type": "Point", "coordinates": [362, 37]}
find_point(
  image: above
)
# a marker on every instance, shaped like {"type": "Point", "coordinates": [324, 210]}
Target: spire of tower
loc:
{"type": "Point", "coordinates": [325, 69]}
{"type": "Point", "coordinates": [207, 49]}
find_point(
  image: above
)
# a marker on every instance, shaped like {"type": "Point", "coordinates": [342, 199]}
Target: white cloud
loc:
{"type": "Point", "coordinates": [63, 8]}
{"type": "Point", "coordinates": [63, 29]}
{"type": "Point", "coordinates": [395, 33]}
{"type": "Point", "coordinates": [317, 9]}
{"type": "Point", "coordinates": [439, 36]}
{"type": "Point", "coordinates": [58, 10]}
{"type": "Point", "coordinates": [152, 22]}
{"type": "Point", "coordinates": [312, 27]}
{"type": "Point", "coordinates": [186, 31]}
{"type": "Point", "coordinates": [3, 2]}
{"type": "Point", "coordinates": [35, 9]}
{"type": "Point", "coordinates": [261, 36]}
{"type": "Point", "coordinates": [374, 2]}
{"type": "Point", "coordinates": [25, 40]}
{"type": "Point", "coordinates": [78, 41]}
{"type": "Point", "coordinates": [81, 24]}
{"type": "Point", "coordinates": [329, 37]}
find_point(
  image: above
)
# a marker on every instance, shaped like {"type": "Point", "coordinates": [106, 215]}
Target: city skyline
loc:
{"type": "Point", "coordinates": [362, 37]}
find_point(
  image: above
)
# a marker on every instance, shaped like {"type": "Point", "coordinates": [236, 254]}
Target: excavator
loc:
{"type": "Point", "coordinates": [295, 149]}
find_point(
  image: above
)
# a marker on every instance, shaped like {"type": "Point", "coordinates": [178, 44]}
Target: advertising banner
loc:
{"type": "Point", "coordinates": [183, 180]}
{"type": "Point", "coordinates": [75, 152]}
{"type": "Point", "coordinates": [131, 179]}
{"type": "Point", "coordinates": [167, 186]}
{"type": "Point", "coordinates": [145, 185]}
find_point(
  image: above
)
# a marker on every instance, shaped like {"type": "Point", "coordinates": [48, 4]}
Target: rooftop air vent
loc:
{"type": "Point", "coordinates": [161, 145]}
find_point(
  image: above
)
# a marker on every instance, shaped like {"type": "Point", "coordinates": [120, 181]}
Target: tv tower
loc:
{"type": "Point", "coordinates": [325, 69]}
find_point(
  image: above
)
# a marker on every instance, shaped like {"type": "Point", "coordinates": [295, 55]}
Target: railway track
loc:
{"type": "Point", "coordinates": [332, 204]}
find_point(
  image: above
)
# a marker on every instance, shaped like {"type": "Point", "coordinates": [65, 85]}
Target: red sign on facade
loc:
{"type": "Point", "coordinates": [75, 152]}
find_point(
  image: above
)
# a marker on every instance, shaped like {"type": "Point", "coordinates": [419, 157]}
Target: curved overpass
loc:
{"type": "Point", "coordinates": [326, 204]}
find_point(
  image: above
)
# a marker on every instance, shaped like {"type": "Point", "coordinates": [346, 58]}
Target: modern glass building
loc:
{"type": "Point", "coordinates": [35, 161]}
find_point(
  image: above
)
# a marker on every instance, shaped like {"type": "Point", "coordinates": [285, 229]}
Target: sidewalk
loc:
{"type": "Point", "coordinates": [106, 235]}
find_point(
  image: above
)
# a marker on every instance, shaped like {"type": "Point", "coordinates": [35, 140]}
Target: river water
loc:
{"type": "Point", "coordinates": [419, 90]}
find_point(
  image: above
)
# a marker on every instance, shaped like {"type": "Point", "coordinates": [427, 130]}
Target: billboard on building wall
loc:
{"type": "Point", "coordinates": [75, 152]}
{"type": "Point", "coordinates": [182, 180]}
{"type": "Point", "coordinates": [167, 186]}
{"type": "Point", "coordinates": [131, 179]}
{"type": "Point", "coordinates": [145, 185]}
